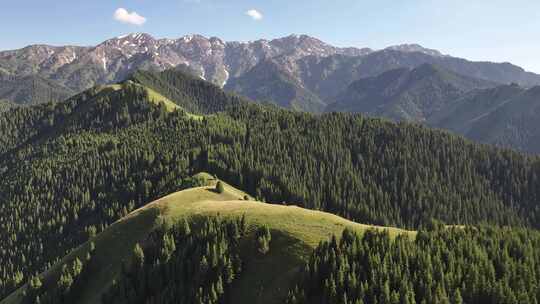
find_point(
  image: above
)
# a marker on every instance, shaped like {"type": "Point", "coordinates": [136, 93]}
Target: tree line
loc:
{"type": "Point", "coordinates": [442, 265]}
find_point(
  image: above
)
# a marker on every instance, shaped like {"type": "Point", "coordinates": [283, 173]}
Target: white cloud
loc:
{"type": "Point", "coordinates": [255, 14]}
{"type": "Point", "coordinates": [124, 16]}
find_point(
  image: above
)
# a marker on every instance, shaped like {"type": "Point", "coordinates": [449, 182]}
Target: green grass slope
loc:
{"type": "Point", "coordinates": [267, 279]}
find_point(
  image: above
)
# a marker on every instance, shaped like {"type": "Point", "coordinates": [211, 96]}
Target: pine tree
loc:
{"type": "Point", "coordinates": [138, 256]}
{"type": "Point", "coordinates": [263, 240]}
{"type": "Point", "coordinates": [456, 297]}
{"type": "Point", "coordinates": [35, 283]}
{"type": "Point", "coordinates": [186, 229]}
{"type": "Point", "coordinates": [219, 187]}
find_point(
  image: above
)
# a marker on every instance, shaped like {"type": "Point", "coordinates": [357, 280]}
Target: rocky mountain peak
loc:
{"type": "Point", "coordinates": [305, 45]}
{"type": "Point", "coordinates": [129, 41]}
{"type": "Point", "coordinates": [300, 56]}
{"type": "Point", "coordinates": [415, 48]}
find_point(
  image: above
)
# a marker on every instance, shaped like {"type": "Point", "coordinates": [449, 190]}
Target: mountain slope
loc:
{"type": "Point", "coordinates": [512, 124]}
{"type": "Point", "coordinates": [113, 60]}
{"type": "Point", "coordinates": [327, 77]}
{"type": "Point", "coordinates": [189, 92]}
{"type": "Point", "coordinates": [33, 90]}
{"type": "Point", "coordinates": [268, 82]}
{"type": "Point", "coordinates": [118, 149]}
{"type": "Point", "coordinates": [403, 94]}
{"type": "Point", "coordinates": [314, 67]}
{"type": "Point", "coordinates": [264, 279]}
{"type": "Point", "coordinates": [459, 115]}
{"type": "Point", "coordinates": [214, 244]}
{"type": "Point", "coordinates": [504, 115]}
{"type": "Point", "coordinates": [378, 62]}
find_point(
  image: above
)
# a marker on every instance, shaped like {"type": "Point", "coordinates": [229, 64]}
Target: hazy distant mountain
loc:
{"type": "Point", "coordinates": [314, 71]}
{"type": "Point", "coordinates": [379, 62]}
{"type": "Point", "coordinates": [514, 123]}
{"type": "Point", "coordinates": [504, 115]}
{"type": "Point", "coordinates": [82, 67]}
{"type": "Point", "coordinates": [415, 48]}
{"type": "Point", "coordinates": [33, 90]}
{"type": "Point", "coordinates": [406, 94]}
{"type": "Point", "coordinates": [269, 81]}
{"type": "Point", "coordinates": [326, 77]}
{"type": "Point", "coordinates": [460, 115]}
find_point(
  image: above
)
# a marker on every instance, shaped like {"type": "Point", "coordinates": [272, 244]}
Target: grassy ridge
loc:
{"type": "Point", "coordinates": [296, 232]}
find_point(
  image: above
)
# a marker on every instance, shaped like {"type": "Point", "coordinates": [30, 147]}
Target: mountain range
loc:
{"type": "Point", "coordinates": [327, 77]}
{"type": "Point", "coordinates": [483, 101]}
{"type": "Point", "coordinates": [504, 115]}
{"type": "Point", "coordinates": [79, 68]}
{"type": "Point", "coordinates": [406, 94]}
{"type": "Point", "coordinates": [307, 62]}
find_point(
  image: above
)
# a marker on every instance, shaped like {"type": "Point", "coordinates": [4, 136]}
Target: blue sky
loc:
{"type": "Point", "coordinates": [494, 30]}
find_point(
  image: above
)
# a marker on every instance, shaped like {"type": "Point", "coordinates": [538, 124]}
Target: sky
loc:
{"type": "Point", "coordinates": [487, 30]}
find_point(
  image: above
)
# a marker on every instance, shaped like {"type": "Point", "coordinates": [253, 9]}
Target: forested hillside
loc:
{"type": "Point", "coordinates": [270, 82]}
{"type": "Point", "coordinates": [190, 92]}
{"type": "Point", "coordinates": [68, 170]}
{"type": "Point", "coordinates": [486, 112]}
{"type": "Point", "coordinates": [513, 124]}
{"type": "Point", "coordinates": [32, 90]}
{"type": "Point", "coordinates": [457, 265]}
{"type": "Point", "coordinates": [407, 94]}
{"type": "Point", "coordinates": [505, 116]}
{"type": "Point", "coordinates": [6, 105]}
{"type": "Point", "coordinates": [208, 244]}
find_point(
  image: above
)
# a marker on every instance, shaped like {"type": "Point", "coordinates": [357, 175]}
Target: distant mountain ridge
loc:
{"type": "Point", "coordinates": [505, 115]}
{"type": "Point", "coordinates": [315, 71]}
{"type": "Point", "coordinates": [114, 59]}
{"type": "Point", "coordinates": [327, 77]}
{"type": "Point", "coordinates": [406, 94]}
{"type": "Point", "coordinates": [415, 48]}
{"type": "Point", "coordinates": [403, 82]}
{"type": "Point", "coordinates": [33, 89]}
{"type": "Point", "coordinates": [271, 81]}
{"type": "Point", "coordinates": [514, 122]}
